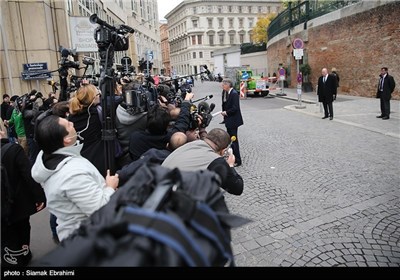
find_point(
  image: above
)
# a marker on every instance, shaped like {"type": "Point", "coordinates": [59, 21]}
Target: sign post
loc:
{"type": "Point", "coordinates": [282, 74]}
{"type": "Point", "coordinates": [298, 53]}
{"type": "Point", "coordinates": [243, 85]}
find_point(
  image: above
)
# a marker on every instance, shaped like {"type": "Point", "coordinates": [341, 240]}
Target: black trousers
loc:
{"type": "Point", "coordinates": [15, 241]}
{"type": "Point", "coordinates": [385, 107]}
{"type": "Point", "coordinates": [235, 144]}
{"type": "Point", "coordinates": [328, 109]}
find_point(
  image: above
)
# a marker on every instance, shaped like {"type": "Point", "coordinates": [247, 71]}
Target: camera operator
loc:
{"type": "Point", "coordinates": [30, 110]}
{"type": "Point", "coordinates": [208, 154]}
{"type": "Point", "coordinates": [157, 133]}
{"type": "Point", "coordinates": [128, 119]}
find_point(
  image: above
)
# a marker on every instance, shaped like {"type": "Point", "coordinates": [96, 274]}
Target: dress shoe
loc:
{"type": "Point", "coordinates": [380, 116]}
{"type": "Point", "coordinates": [385, 118]}
{"type": "Point", "coordinates": [330, 118]}
{"type": "Point", "coordinates": [325, 117]}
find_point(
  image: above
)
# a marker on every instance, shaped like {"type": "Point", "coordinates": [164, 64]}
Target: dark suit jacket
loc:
{"type": "Point", "coordinates": [28, 192]}
{"type": "Point", "coordinates": [388, 87]}
{"type": "Point", "coordinates": [327, 90]}
{"type": "Point", "coordinates": [232, 108]}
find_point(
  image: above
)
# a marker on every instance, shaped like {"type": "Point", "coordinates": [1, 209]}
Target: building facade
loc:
{"type": "Point", "coordinates": [197, 28]}
{"type": "Point", "coordinates": [33, 31]}
{"type": "Point", "coordinates": [166, 63]}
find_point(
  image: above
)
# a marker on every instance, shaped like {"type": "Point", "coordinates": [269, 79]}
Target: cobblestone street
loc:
{"type": "Point", "coordinates": [319, 192]}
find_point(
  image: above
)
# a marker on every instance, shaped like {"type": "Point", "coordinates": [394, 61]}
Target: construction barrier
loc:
{"type": "Point", "coordinates": [243, 90]}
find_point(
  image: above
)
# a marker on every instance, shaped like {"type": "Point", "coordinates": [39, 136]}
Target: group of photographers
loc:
{"type": "Point", "coordinates": [152, 124]}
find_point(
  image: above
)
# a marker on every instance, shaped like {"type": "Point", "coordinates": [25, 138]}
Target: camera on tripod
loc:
{"type": "Point", "coordinates": [106, 34]}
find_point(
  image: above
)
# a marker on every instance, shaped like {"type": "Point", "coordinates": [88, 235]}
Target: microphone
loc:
{"type": "Point", "coordinates": [204, 98]}
{"type": "Point", "coordinates": [95, 19]}
{"type": "Point", "coordinates": [126, 28]}
{"type": "Point", "coordinates": [212, 106]}
{"type": "Point", "coordinates": [228, 150]}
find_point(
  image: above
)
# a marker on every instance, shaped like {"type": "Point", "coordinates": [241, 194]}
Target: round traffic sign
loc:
{"type": "Point", "coordinates": [298, 43]}
{"type": "Point", "coordinates": [282, 72]}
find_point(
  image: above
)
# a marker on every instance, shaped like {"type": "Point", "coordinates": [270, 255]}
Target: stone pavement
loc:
{"type": "Point", "coordinates": [351, 110]}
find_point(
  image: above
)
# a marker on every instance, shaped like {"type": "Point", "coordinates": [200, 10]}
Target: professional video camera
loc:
{"type": "Point", "coordinates": [111, 34]}
{"type": "Point", "coordinates": [138, 99]}
{"type": "Point", "coordinates": [26, 101]}
{"type": "Point", "coordinates": [203, 110]}
{"type": "Point", "coordinates": [170, 95]}
{"type": "Point", "coordinates": [125, 71]}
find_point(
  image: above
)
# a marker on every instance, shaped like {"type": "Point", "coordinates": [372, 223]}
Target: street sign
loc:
{"type": "Point", "coordinates": [298, 53]}
{"type": "Point", "coordinates": [150, 55]}
{"type": "Point", "coordinates": [35, 71]}
{"type": "Point", "coordinates": [298, 43]}
{"type": "Point", "coordinates": [282, 72]}
{"type": "Point", "coordinates": [34, 67]}
{"type": "Point", "coordinates": [36, 75]}
{"type": "Point", "coordinates": [245, 76]}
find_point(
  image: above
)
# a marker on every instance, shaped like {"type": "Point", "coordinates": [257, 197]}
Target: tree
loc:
{"type": "Point", "coordinates": [260, 34]}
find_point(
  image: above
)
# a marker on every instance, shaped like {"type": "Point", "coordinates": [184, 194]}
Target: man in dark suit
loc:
{"type": "Point", "coordinates": [232, 117]}
{"type": "Point", "coordinates": [386, 86]}
{"type": "Point", "coordinates": [327, 91]}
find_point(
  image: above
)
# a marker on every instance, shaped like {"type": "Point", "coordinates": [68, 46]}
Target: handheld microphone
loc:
{"type": "Point", "coordinates": [228, 149]}
{"type": "Point", "coordinates": [212, 106]}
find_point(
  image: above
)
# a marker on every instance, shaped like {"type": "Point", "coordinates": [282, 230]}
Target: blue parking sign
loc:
{"type": "Point", "coordinates": [245, 76]}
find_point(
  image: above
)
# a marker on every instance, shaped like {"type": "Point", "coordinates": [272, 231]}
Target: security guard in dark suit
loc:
{"type": "Point", "coordinates": [386, 86]}
{"type": "Point", "coordinates": [327, 91]}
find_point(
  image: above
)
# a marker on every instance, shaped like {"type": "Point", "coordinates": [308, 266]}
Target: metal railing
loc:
{"type": "Point", "coordinates": [302, 13]}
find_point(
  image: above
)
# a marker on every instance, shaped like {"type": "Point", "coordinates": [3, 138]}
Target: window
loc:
{"type": "Point", "coordinates": [199, 39]}
{"type": "Point", "coordinates": [211, 40]}
{"type": "Point", "coordinates": [210, 23]}
{"type": "Point", "coordinates": [250, 22]}
{"type": "Point", "coordinates": [241, 38]}
{"type": "Point", "coordinates": [194, 10]}
{"type": "Point", "coordinates": [231, 39]}
{"type": "Point", "coordinates": [219, 10]}
{"type": "Point", "coordinates": [240, 23]}
{"type": "Point", "coordinates": [220, 22]}
{"type": "Point", "coordinates": [259, 9]}
{"type": "Point", "coordinates": [230, 9]}
{"type": "Point", "coordinates": [221, 39]}
{"type": "Point", "coordinates": [240, 9]}
{"type": "Point", "coordinates": [193, 40]}
{"type": "Point", "coordinates": [194, 54]}
{"type": "Point", "coordinates": [200, 54]}
{"type": "Point", "coordinates": [194, 22]}
{"type": "Point", "coordinates": [231, 23]}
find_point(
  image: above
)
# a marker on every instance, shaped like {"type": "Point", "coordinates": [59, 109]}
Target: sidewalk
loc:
{"type": "Point", "coordinates": [351, 110]}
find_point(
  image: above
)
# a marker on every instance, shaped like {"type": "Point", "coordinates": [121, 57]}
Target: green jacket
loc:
{"type": "Point", "coordinates": [18, 122]}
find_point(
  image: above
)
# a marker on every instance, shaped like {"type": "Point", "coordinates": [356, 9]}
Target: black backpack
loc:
{"type": "Point", "coordinates": [160, 217]}
{"type": "Point", "coordinates": [8, 193]}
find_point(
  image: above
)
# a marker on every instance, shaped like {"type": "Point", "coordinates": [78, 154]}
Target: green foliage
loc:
{"type": "Point", "coordinates": [305, 69]}
{"type": "Point", "coordinates": [260, 34]}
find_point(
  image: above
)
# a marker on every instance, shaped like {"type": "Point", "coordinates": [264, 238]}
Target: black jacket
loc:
{"type": "Point", "coordinates": [232, 107]}
{"type": "Point", "coordinates": [328, 90]}
{"type": "Point", "coordinates": [28, 192]}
